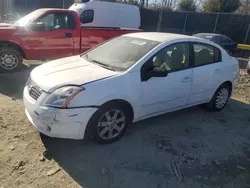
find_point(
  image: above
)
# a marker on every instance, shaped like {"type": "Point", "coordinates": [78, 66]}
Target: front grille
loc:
{"type": "Point", "coordinates": [34, 90]}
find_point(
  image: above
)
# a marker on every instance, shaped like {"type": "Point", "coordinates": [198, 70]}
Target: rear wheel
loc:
{"type": "Point", "coordinates": [220, 98]}
{"type": "Point", "coordinates": [109, 123]}
{"type": "Point", "coordinates": [10, 59]}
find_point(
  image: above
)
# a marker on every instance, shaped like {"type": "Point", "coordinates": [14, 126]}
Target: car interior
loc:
{"type": "Point", "coordinates": [172, 58]}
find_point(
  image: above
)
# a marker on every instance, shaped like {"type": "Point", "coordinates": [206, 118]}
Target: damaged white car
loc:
{"type": "Point", "coordinates": [125, 80]}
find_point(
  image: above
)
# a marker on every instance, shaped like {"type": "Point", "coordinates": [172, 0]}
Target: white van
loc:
{"type": "Point", "coordinates": [96, 13]}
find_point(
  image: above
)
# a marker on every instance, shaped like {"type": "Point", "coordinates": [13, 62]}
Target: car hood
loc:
{"type": "Point", "coordinates": [68, 71]}
{"type": "Point", "coordinates": [7, 26]}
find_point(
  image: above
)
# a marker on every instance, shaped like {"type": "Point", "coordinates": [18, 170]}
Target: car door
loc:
{"type": "Point", "coordinates": [159, 94]}
{"type": "Point", "coordinates": [207, 72]}
{"type": "Point", "coordinates": [56, 38]}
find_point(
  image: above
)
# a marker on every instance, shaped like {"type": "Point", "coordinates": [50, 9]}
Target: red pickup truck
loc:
{"type": "Point", "coordinates": [49, 34]}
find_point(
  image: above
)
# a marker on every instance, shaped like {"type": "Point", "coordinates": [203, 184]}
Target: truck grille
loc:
{"type": "Point", "coordinates": [34, 90]}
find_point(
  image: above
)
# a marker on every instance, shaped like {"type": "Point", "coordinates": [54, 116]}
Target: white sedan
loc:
{"type": "Point", "coordinates": [125, 80]}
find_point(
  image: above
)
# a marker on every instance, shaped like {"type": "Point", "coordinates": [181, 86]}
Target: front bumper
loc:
{"type": "Point", "coordinates": [58, 123]}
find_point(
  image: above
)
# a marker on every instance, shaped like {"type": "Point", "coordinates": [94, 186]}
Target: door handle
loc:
{"type": "Point", "coordinates": [186, 79]}
{"type": "Point", "coordinates": [68, 35]}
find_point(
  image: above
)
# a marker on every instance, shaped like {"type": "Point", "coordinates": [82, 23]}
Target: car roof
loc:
{"type": "Point", "coordinates": [157, 36]}
{"type": "Point", "coordinates": [54, 9]}
{"type": "Point", "coordinates": [210, 34]}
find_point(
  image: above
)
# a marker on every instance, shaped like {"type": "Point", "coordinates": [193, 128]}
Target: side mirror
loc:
{"type": "Point", "coordinates": [39, 26]}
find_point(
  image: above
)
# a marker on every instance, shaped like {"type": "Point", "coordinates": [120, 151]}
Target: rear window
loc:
{"type": "Point", "coordinates": [205, 54]}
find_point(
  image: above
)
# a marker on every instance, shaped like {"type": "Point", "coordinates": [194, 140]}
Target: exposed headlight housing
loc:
{"type": "Point", "coordinates": [61, 97]}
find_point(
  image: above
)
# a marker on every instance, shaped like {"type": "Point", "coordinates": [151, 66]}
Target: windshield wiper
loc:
{"type": "Point", "coordinates": [102, 64]}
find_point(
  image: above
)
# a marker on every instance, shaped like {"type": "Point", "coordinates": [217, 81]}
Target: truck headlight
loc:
{"type": "Point", "coordinates": [62, 96]}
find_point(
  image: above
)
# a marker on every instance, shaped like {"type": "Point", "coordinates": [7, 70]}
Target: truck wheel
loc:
{"type": "Point", "coordinates": [10, 59]}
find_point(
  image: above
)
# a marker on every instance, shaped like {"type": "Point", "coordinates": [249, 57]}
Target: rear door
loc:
{"type": "Point", "coordinates": [56, 39]}
{"type": "Point", "coordinates": [207, 70]}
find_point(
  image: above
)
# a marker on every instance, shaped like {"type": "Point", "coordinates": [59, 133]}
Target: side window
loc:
{"type": "Point", "coordinates": [205, 54]}
{"type": "Point", "coordinates": [87, 16]}
{"type": "Point", "coordinates": [173, 58]}
{"type": "Point", "coordinates": [57, 21]}
{"type": "Point", "coordinates": [48, 21]}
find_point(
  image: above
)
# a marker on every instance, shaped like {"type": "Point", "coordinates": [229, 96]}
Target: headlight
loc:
{"type": "Point", "coordinates": [62, 96]}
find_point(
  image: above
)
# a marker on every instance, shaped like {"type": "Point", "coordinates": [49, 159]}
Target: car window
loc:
{"type": "Point", "coordinates": [205, 54]}
{"type": "Point", "coordinates": [225, 39]}
{"type": "Point", "coordinates": [58, 21]}
{"type": "Point", "coordinates": [87, 16]}
{"type": "Point", "coordinates": [173, 58]}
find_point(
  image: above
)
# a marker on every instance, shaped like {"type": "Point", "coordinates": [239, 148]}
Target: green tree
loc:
{"type": "Point", "coordinates": [221, 5]}
{"type": "Point", "coordinates": [187, 5]}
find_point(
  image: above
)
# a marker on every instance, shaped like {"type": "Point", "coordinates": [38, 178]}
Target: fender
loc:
{"type": "Point", "coordinates": [15, 44]}
{"type": "Point", "coordinates": [135, 105]}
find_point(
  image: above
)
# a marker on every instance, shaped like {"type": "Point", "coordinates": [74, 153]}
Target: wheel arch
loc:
{"type": "Point", "coordinates": [119, 102]}
{"type": "Point", "coordinates": [13, 45]}
{"type": "Point", "coordinates": [124, 103]}
{"type": "Point", "coordinates": [230, 84]}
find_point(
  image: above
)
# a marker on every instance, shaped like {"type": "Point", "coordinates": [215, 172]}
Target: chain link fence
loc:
{"type": "Point", "coordinates": [235, 26]}
{"type": "Point", "coordinates": [6, 10]}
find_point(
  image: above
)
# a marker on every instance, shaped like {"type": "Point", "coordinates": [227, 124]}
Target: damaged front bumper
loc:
{"type": "Point", "coordinates": [58, 123]}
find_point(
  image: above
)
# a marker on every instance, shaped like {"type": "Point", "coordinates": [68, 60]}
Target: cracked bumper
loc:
{"type": "Point", "coordinates": [58, 123]}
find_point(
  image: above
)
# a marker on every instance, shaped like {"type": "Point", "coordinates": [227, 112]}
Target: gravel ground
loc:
{"type": "Point", "coordinates": [191, 148]}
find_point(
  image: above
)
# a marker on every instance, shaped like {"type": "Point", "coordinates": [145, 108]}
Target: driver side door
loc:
{"type": "Point", "coordinates": [56, 36]}
{"type": "Point", "coordinates": [162, 94]}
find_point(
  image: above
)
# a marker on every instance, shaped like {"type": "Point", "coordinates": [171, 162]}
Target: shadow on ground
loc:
{"type": "Point", "coordinates": [12, 84]}
{"type": "Point", "coordinates": [211, 149]}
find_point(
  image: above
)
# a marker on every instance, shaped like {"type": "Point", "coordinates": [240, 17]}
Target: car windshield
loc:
{"type": "Point", "coordinates": [29, 18]}
{"type": "Point", "coordinates": [120, 53]}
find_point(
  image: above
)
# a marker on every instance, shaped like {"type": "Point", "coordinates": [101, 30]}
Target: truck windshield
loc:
{"type": "Point", "coordinates": [120, 53]}
{"type": "Point", "coordinates": [29, 18]}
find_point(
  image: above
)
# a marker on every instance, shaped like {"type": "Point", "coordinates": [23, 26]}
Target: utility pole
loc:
{"type": "Point", "coordinates": [246, 10]}
{"type": "Point", "coordinates": [63, 3]}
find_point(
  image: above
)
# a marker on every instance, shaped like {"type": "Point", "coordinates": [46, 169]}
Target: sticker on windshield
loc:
{"type": "Point", "coordinates": [138, 42]}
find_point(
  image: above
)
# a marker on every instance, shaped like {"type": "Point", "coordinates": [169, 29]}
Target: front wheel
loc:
{"type": "Point", "coordinates": [108, 124]}
{"type": "Point", "coordinates": [220, 98]}
{"type": "Point", "coordinates": [10, 59]}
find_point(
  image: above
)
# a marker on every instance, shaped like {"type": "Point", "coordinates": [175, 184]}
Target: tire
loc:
{"type": "Point", "coordinates": [220, 98]}
{"type": "Point", "coordinates": [99, 128]}
{"type": "Point", "coordinates": [10, 59]}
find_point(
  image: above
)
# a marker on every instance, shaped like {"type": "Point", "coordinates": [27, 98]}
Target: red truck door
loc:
{"type": "Point", "coordinates": [56, 35]}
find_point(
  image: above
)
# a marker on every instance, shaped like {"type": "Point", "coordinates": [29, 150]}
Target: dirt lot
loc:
{"type": "Point", "coordinates": [191, 148]}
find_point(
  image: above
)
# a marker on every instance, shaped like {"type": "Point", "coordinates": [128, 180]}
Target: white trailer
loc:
{"type": "Point", "coordinates": [96, 13]}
